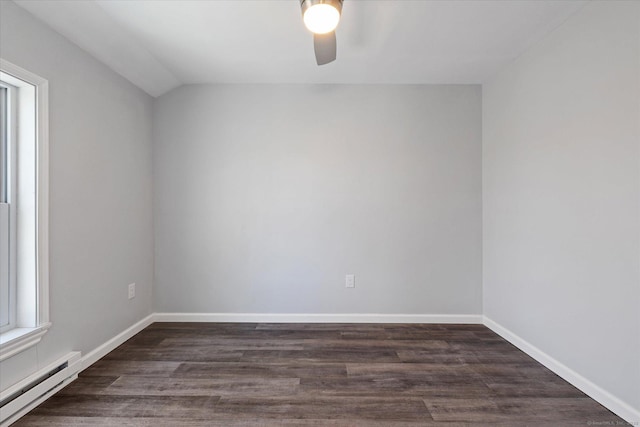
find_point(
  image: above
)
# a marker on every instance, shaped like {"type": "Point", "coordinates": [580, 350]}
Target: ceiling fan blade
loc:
{"type": "Point", "coordinates": [325, 47]}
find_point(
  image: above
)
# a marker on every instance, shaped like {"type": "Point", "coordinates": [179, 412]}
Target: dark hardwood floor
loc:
{"type": "Point", "coordinates": [205, 374]}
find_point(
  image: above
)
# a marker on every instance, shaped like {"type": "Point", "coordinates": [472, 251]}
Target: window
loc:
{"type": "Point", "coordinates": [7, 210]}
{"type": "Point", "coordinates": [24, 309]}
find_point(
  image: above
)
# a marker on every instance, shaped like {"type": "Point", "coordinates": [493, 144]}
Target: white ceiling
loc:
{"type": "Point", "coordinates": [161, 44]}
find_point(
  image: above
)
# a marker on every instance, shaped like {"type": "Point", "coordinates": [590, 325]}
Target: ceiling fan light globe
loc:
{"type": "Point", "coordinates": [321, 18]}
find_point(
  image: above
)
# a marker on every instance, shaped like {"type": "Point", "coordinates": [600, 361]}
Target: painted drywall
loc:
{"type": "Point", "coordinates": [561, 197]}
{"type": "Point", "coordinates": [101, 234]}
{"type": "Point", "coordinates": [266, 196]}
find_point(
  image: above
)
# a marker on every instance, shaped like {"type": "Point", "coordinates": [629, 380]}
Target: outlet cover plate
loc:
{"type": "Point", "coordinates": [350, 281]}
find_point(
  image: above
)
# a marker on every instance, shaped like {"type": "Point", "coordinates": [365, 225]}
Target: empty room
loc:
{"type": "Point", "coordinates": [319, 213]}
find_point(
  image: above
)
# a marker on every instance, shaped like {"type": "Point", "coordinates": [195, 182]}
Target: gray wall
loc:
{"type": "Point", "coordinates": [101, 234]}
{"type": "Point", "coordinates": [561, 196]}
{"type": "Point", "coordinates": [261, 207]}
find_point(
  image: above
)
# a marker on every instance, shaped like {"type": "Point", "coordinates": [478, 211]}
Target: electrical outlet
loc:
{"type": "Point", "coordinates": [350, 281]}
{"type": "Point", "coordinates": [132, 290]}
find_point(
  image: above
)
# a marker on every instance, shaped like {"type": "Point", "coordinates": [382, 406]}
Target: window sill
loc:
{"type": "Point", "coordinates": [19, 339]}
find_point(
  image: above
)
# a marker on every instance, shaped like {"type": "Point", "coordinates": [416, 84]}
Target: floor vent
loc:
{"type": "Point", "coordinates": [20, 398]}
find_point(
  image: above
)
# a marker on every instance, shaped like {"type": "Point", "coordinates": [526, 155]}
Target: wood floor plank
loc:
{"type": "Point", "coordinates": [432, 380]}
{"type": "Point", "coordinates": [86, 405]}
{"type": "Point", "coordinates": [468, 410]}
{"type": "Point", "coordinates": [88, 385]}
{"type": "Point", "coordinates": [217, 420]}
{"type": "Point", "coordinates": [148, 386]}
{"type": "Point", "coordinates": [176, 354]}
{"type": "Point", "coordinates": [441, 356]}
{"type": "Point", "coordinates": [314, 327]}
{"type": "Point", "coordinates": [424, 386]}
{"type": "Point", "coordinates": [151, 368]}
{"type": "Point", "coordinates": [273, 374]}
{"type": "Point", "coordinates": [523, 387]}
{"type": "Point", "coordinates": [515, 411]}
{"type": "Point", "coordinates": [557, 410]}
{"type": "Point", "coordinates": [391, 345]}
{"type": "Point", "coordinates": [233, 344]}
{"type": "Point", "coordinates": [259, 370]}
{"type": "Point", "coordinates": [314, 407]}
{"type": "Point", "coordinates": [493, 372]}
{"type": "Point", "coordinates": [412, 334]}
{"type": "Point", "coordinates": [408, 370]}
{"type": "Point", "coordinates": [322, 355]}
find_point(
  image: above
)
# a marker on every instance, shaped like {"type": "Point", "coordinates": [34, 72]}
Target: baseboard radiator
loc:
{"type": "Point", "coordinates": [22, 397]}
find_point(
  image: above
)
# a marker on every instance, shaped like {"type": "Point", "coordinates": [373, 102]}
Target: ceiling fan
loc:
{"type": "Point", "coordinates": [321, 17]}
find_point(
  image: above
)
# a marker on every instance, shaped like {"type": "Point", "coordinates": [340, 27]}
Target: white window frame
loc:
{"type": "Point", "coordinates": [32, 305]}
{"type": "Point", "coordinates": [7, 220]}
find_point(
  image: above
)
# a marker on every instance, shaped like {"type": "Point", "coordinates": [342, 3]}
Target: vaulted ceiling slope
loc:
{"type": "Point", "coordinates": [161, 44]}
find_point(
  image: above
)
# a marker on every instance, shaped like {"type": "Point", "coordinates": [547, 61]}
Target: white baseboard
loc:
{"type": "Point", "coordinates": [606, 399]}
{"type": "Point", "coordinates": [317, 318]}
{"type": "Point", "coordinates": [98, 353]}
